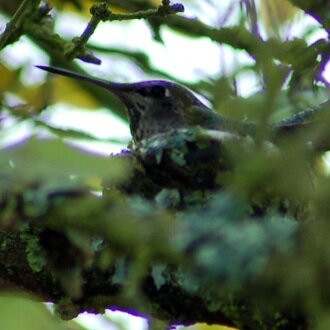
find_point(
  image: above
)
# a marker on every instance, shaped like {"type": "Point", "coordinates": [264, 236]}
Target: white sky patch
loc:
{"type": "Point", "coordinates": [100, 123]}
{"type": "Point", "coordinates": [186, 58]}
{"type": "Point", "coordinates": [15, 133]}
{"type": "Point", "coordinates": [23, 53]}
{"type": "Point", "coordinates": [99, 323]}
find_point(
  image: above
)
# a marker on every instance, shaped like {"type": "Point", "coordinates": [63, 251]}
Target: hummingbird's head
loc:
{"type": "Point", "coordinates": [156, 106]}
{"type": "Point", "coordinates": [153, 107]}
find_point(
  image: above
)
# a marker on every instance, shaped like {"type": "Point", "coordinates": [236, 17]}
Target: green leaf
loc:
{"type": "Point", "coordinates": [18, 313]}
{"type": "Point", "coordinates": [36, 159]}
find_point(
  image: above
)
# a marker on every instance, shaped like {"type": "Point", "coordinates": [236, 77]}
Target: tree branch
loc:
{"type": "Point", "coordinates": [101, 12]}
{"type": "Point", "coordinates": [15, 28]}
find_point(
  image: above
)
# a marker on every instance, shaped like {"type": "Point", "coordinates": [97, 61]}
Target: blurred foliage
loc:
{"type": "Point", "coordinates": [276, 13]}
{"type": "Point", "coordinates": [33, 315]}
{"type": "Point", "coordinates": [156, 194]}
{"type": "Point", "coordinates": [69, 162]}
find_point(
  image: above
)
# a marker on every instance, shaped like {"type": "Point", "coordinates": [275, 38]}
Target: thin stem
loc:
{"type": "Point", "coordinates": [14, 26]}
{"type": "Point", "coordinates": [101, 12]}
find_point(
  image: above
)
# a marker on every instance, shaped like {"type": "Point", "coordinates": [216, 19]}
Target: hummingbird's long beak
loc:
{"type": "Point", "coordinates": [116, 88]}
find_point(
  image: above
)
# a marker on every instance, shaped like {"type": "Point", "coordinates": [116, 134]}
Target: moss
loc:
{"type": "Point", "coordinates": [168, 198]}
{"type": "Point", "coordinates": [34, 253]}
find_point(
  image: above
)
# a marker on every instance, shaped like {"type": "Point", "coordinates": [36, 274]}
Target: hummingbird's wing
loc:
{"type": "Point", "coordinates": [197, 115]}
{"type": "Point", "coordinates": [205, 117]}
{"type": "Point", "coordinates": [313, 123]}
{"type": "Point", "coordinates": [303, 118]}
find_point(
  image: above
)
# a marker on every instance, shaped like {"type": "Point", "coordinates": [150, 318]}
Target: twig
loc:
{"type": "Point", "coordinates": [101, 12]}
{"type": "Point", "coordinates": [13, 27]}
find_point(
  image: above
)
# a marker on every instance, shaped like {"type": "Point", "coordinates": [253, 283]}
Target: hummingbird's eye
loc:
{"type": "Point", "coordinates": [154, 91]}
{"type": "Point", "coordinates": [159, 91]}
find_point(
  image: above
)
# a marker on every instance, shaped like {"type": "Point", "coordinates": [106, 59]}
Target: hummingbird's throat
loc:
{"type": "Point", "coordinates": [147, 120]}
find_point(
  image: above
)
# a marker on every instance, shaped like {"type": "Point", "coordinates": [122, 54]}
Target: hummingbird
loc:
{"type": "Point", "coordinates": [158, 106]}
